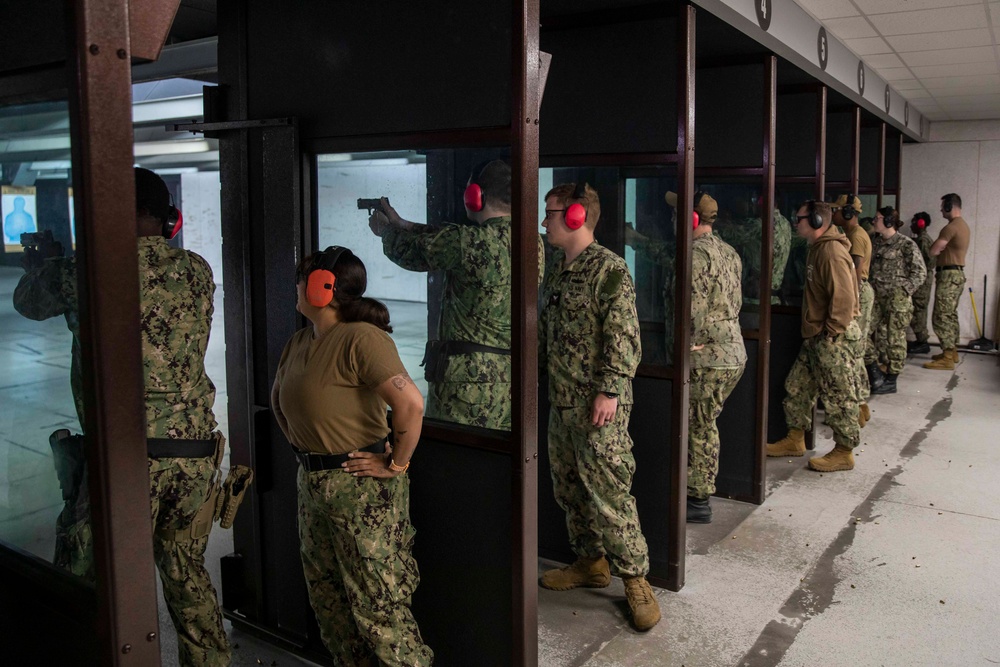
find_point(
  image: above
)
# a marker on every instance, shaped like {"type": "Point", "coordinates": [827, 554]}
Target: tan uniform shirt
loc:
{"type": "Point", "coordinates": [831, 291]}
{"type": "Point", "coordinates": [956, 233]}
{"type": "Point", "coordinates": [324, 391]}
{"type": "Point", "coordinates": [861, 246]}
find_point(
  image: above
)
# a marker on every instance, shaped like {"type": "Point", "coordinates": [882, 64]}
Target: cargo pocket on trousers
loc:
{"type": "Point", "coordinates": [387, 568]}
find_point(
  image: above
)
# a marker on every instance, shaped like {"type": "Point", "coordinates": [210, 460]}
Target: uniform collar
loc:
{"type": "Point", "coordinates": [580, 260]}
{"type": "Point", "coordinates": [152, 241]}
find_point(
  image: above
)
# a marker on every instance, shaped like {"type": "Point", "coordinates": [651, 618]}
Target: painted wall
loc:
{"type": "Point", "coordinates": [962, 157]}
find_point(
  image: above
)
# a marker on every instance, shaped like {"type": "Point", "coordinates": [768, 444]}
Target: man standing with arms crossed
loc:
{"type": "Point", "coordinates": [825, 367]}
{"type": "Point", "coordinates": [589, 347]}
{"type": "Point", "coordinates": [949, 283]}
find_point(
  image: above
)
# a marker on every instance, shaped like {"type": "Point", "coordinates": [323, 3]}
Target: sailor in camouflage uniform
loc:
{"type": "Point", "coordinates": [897, 271]}
{"type": "Point", "coordinates": [589, 347]}
{"type": "Point", "coordinates": [718, 358]}
{"type": "Point", "coordinates": [825, 367]}
{"type": "Point", "coordinates": [922, 297]}
{"type": "Point", "coordinates": [468, 368]}
{"type": "Point", "coordinates": [746, 239]}
{"type": "Point", "coordinates": [176, 299]}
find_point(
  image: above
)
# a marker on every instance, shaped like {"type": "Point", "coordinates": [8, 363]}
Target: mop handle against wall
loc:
{"type": "Point", "coordinates": [978, 326]}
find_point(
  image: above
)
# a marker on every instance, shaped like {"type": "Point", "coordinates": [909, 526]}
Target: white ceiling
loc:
{"type": "Point", "coordinates": [941, 55]}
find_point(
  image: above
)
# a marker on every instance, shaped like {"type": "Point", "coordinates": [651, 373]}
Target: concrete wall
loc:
{"type": "Point", "coordinates": [201, 206]}
{"type": "Point", "coordinates": [962, 157]}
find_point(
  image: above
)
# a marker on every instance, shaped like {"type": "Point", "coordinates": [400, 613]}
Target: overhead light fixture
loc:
{"type": "Point", "coordinates": [151, 148]}
{"type": "Point", "coordinates": [50, 165]}
{"type": "Point", "coordinates": [176, 170]}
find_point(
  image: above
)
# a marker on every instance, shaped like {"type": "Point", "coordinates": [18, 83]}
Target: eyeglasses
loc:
{"type": "Point", "coordinates": [550, 211]}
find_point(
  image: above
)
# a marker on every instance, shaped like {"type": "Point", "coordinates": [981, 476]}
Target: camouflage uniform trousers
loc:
{"type": "Point", "coordinates": [476, 392]}
{"type": "Point", "coordinates": [866, 301]}
{"type": "Point", "coordinates": [889, 319]}
{"type": "Point", "coordinates": [825, 368]}
{"type": "Point", "coordinates": [178, 488]}
{"type": "Point", "coordinates": [592, 470]}
{"type": "Point", "coordinates": [918, 321]}
{"type": "Point", "coordinates": [948, 288]}
{"type": "Point", "coordinates": [710, 387]}
{"type": "Point", "coordinates": [356, 549]}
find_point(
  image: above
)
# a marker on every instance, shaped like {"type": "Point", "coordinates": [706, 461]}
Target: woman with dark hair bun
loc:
{"type": "Point", "coordinates": [334, 381]}
{"type": "Point", "coordinates": [897, 271]}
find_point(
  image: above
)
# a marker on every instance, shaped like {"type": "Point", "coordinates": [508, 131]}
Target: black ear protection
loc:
{"type": "Point", "coordinates": [815, 219]}
{"type": "Point", "coordinates": [474, 197]}
{"type": "Point", "coordinates": [576, 214]}
{"type": "Point", "coordinates": [947, 203]}
{"type": "Point", "coordinates": [847, 211]}
{"type": "Point", "coordinates": [321, 281]}
{"type": "Point", "coordinates": [695, 218]}
{"type": "Point", "coordinates": [173, 222]}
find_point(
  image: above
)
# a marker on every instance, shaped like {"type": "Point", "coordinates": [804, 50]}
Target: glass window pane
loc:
{"type": "Point", "coordinates": [788, 199]}
{"type": "Point", "coordinates": [443, 270]}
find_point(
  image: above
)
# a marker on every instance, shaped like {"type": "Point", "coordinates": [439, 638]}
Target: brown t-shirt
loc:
{"type": "Point", "coordinates": [956, 233]}
{"type": "Point", "coordinates": [861, 246]}
{"type": "Point", "coordinates": [831, 290]}
{"type": "Point", "coordinates": [324, 391]}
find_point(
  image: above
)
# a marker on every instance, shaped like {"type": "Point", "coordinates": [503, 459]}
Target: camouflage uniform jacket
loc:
{"type": "Point", "coordinates": [924, 242]}
{"type": "Point", "coordinates": [176, 291]}
{"type": "Point", "coordinates": [746, 238]}
{"type": "Point", "coordinates": [589, 330]}
{"type": "Point", "coordinates": [477, 264]}
{"type": "Point", "coordinates": [715, 304]}
{"type": "Point", "coordinates": [896, 262]}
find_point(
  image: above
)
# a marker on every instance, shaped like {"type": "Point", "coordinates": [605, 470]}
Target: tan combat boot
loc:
{"type": "Point", "coordinates": [945, 363]}
{"type": "Point", "coordinates": [586, 572]}
{"type": "Point", "coordinates": [793, 444]}
{"type": "Point", "coordinates": [642, 602]}
{"type": "Point", "coordinates": [839, 458]}
{"type": "Point", "coordinates": [864, 415]}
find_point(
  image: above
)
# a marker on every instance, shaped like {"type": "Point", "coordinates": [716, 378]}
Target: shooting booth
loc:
{"type": "Point", "coordinates": [315, 109]}
{"type": "Point", "coordinates": [633, 144]}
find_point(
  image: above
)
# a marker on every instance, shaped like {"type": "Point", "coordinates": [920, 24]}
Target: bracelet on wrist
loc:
{"type": "Point", "coordinates": [397, 468]}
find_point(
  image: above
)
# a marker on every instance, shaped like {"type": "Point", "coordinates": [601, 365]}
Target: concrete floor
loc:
{"type": "Point", "coordinates": [889, 564]}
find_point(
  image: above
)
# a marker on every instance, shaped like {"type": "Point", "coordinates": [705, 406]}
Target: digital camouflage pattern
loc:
{"type": "Point", "coordinates": [825, 367]}
{"type": "Point", "coordinates": [592, 470]}
{"type": "Point", "coordinates": [922, 297]}
{"type": "Point", "coordinates": [866, 301]}
{"type": "Point", "coordinates": [892, 312]}
{"type": "Point", "coordinates": [710, 387]}
{"type": "Point", "coordinates": [663, 253]}
{"type": "Point", "coordinates": [948, 290]}
{"type": "Point", "coordinates": [476, 259]}
{"type": "Point", "coordinates": [746, 239]}
{"type": "Point", "coordinates": [589, 330]}
{"type": "Point", "coordinates": [356, 548]}
{"type": "Point", "coordinates": [176, 308]}
{"type": "Point", "coordinates": [897, 271]}
{"type": "Point", "coordinates": [715, 304]}
{"type": "Point", "coordinates": [178, 488]}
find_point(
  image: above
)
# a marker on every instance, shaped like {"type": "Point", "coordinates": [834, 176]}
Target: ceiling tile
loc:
{"type": "Point", "coordinates": [929, 20]}
{"type": "Point", "coordinates": [968, 69]}
{"type": "Point", "coordinates": [884, 61]}
{"type": "Point", "coordinates": [868, 46]}
{"type": "Point", "coordinates": [886, 6]}
{"type": "Point", "coordinates": [953, 82]}
{"type": "Point", "coordinates": [907, 85]}
{"type": "Point", "coordinates": [850, 28]}
{"type": "Point", "coordinates": [896, 74]}
{"type": "Point", "coordinates": [918, 94]}
{"type": "Point", "coordinates": [829, 9]}
{"type": "Point", "coordinates": [973, 115]}
{"type": "Point", "coordinates": [971, 100]}
{"type": "Point", "coordinates": [995, 12]}
{"type": "Point", "coordinates": [942, 93]}
{"type": "Point", "coordinates": [977, 54]}
{"type": "Point", "coordinates": [941, 40]}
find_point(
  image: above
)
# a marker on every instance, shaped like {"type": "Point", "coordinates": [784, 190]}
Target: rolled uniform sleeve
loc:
{"type": "Point", "coordinates": [48, 291]}
{"type": "Point", "coordinates": [621, 350]}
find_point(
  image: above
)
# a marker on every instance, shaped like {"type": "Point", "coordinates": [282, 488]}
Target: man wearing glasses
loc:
{"type": "Point", "coordinates": [825, 367]}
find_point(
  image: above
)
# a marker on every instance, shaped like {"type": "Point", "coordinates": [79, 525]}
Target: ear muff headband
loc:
{"type": "Point", "coordinates": [847, 211]}
{"type": "Point", "coordinates": [947, 204]}
{"type": "Point", "coordinates": [474, 198]}
{"type": "Point", "coordinates": [576, 214]}
{"type": "Point", "coordinates": [321, 281]}
{"type": "Point", "coordinates": [815, 219]}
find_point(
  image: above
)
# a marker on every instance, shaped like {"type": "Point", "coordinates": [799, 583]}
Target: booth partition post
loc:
{"type": "Point", "coordinates": [821, 102]}
{"type": "Point", "coordinates": [881, 164]}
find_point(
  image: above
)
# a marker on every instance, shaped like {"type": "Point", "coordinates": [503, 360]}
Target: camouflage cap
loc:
{"type": "Point", "coordinates": [842, 201]}
{"type": "Point", "coordinates": [707, 208]}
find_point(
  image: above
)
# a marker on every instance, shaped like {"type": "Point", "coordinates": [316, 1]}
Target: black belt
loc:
{"type": "Point", "coordinates": [316, 462]}
{"type": "Point", "coordinates": [452, 347]}
{"type": "Point", "coordinates": [170, 448]}
{"type": "Point", "coordinates": [950, 267]}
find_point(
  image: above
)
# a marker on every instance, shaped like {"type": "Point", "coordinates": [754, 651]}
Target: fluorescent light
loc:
{"type": "Point", "coordinates": [334, 157]}
{"type": "Point", "coordinates": [150, 148]}
{"type": "Point", "coordinates": [49, 165]}
{"type": "Point", "coordinates": [176, 170]}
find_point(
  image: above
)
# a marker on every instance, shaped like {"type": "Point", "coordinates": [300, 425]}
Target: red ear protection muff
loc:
{"type": "Point", "coordinates": [321, 281]}
{"type": "Point", "coordinates": [172, 223]}
{"type": "Point", "coordinates": [576, 214]}
{"type": "Point", "coordinates": [694, 220]}
{"type": "Point", "coordinates": [920, 223]}
{"type": "Point", "coordinates": [474, 198]}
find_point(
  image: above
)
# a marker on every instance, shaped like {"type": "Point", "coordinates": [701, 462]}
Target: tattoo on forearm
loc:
{"type": "Point", "coordinates": [400, 381]}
